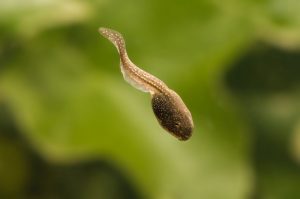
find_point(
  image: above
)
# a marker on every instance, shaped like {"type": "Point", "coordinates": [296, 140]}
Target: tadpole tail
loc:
{"type": "Point", "coordinates": [114, 37]}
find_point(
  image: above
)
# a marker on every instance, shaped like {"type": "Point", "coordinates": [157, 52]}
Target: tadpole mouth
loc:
{"type": "Point", "coordinates": [181, 136]}
{"type": "Point", "coordinates": [184, 137]}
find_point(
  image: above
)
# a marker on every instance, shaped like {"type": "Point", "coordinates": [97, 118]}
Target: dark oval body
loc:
{"type": "Point", "coordinates": [173, 115]}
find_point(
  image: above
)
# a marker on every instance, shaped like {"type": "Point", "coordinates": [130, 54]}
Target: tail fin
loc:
{"type": "Point", "coordinates": [115, 37]}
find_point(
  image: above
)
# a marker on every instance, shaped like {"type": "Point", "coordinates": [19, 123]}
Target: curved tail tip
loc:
{"type": "Point", "coordinates": [102, 30]}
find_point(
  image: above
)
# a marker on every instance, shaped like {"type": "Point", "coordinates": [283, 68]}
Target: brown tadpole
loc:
{"type": "Point", "coordinates": [169, 109]}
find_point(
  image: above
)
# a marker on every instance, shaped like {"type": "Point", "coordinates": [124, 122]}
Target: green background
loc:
{"type": "Point", "coordinates": [71, 127]}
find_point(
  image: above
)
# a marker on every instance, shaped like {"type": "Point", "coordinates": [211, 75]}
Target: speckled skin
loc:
{"type": "Point", "coordinates": [172, 116]}
{"type": "Point", "coordinates": [169, 109]}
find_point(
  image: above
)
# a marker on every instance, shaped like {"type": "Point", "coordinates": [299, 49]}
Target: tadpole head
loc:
{"type": "Point", "coordinates": [173, 115]}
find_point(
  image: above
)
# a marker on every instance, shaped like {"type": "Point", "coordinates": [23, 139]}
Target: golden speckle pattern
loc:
{"type": "Point", "coordinates": [169, 109]}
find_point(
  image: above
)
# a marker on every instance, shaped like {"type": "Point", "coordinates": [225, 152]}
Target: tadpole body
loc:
{"type": "Point", "coordinates": [168, 107]}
